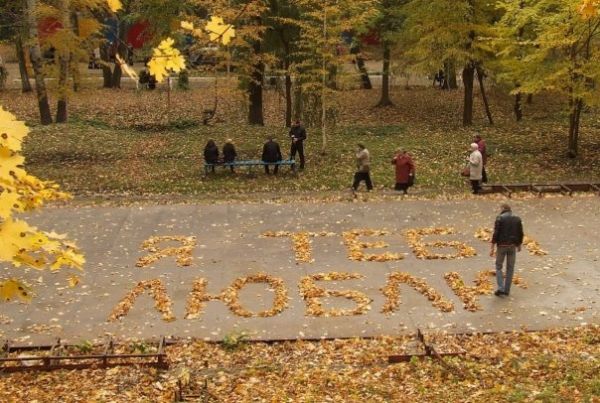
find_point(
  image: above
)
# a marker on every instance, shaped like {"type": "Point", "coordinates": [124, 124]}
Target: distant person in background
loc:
{"type": "Point", "coordinates": [482, 149]}
{"type": "Point", "coordinates": [298, 135]}
{"type": "Point", "coordinates": [211, 153]}
{"type": "Point", "coordinates": [405, 170]}
{"type": "Point", "coordinates": [363, 165]}
{"type": "Point", "coordinates": [229, 153]}
{"type": "Point", "coordinates": [475, 168]}
{"type": "Point", "coordinates": [271, 153]}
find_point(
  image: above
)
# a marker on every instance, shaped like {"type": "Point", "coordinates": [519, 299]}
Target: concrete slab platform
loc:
{"type": "Point", "coordinates": [563, 287]}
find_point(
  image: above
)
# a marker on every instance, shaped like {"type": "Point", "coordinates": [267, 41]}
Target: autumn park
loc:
{"type": "Point", "coordinates": [299, 201]}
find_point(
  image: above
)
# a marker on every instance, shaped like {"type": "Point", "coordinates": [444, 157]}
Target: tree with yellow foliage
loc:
{"type": "Point", "coordinates": [20, 243]}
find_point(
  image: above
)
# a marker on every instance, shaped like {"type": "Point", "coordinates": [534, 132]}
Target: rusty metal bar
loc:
{"type": "Point", "coordinates": [53, 361]}
{"type": "Point", "coordinates": [430, 351]}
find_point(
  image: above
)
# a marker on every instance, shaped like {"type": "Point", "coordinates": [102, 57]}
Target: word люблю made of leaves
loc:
{"type": "Point", "coordinates": [20, 243]}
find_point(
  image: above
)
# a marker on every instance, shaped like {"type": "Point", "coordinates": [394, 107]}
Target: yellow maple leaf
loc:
{"type": "Point", "coordinates": [9, 289]}
{"type": "Point", "coordinates": [187, 25]}
{"type": "Point", "coordinates": [69, 258]}
{"type": "Point", "coordinates": [217, 29]}
{"type": "Point", "coordinates": [12, 131]}
{"type": "Point", "coordinates": [10, 164]}
{"type": "Point", "coordinates": [9, 202]}
{"type": "Point", "coordinates": [13, 238]}
{"type": "Point", "coordinates": [114, 5]}
{"type": "Point", "coordinates": [73, 281]}
{"type": "Point", "coordinates": [165, 59]}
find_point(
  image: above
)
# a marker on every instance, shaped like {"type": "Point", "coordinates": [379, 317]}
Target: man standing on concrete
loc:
{"type": "Point", "coordinates": [508, 236]}
{"type": "Point", "coordinates": [298, 135]}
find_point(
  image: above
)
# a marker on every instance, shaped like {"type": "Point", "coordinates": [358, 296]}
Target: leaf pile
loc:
{"type": "Point", "coordinates": [555, 365]}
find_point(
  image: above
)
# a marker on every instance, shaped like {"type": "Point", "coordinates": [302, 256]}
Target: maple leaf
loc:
{"type": "Point", "coordinates": [12, 131]}
{"type": "Point", "coordinates": [70, 258]}
{"type": "Point", "coordinates": [13, 238]}
{"type": "Point", "coordinates": [10, 164]}
{"type": "Point", "coordinates": [9, 289]}
{"type": "Point", "coordinates": [73, 281]}
{"type": "Point", "coordinates": [217, 29]}
{"type": "Point", "coordinates": [9, 202]}
{"type": "Point", "coordinates": [114, 5]}
{"type": "Point", "coordinates": [165, 58]}
{"type": "Point", "coordinates": [187, 25]}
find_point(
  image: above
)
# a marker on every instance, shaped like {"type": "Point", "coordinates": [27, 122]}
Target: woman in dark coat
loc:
{"type": "Point", "coordinates": [405, 170]}
{"type": "Point", "coordinates": [211, 153]}
{"type": "Point", "coordinates": [229, 153]}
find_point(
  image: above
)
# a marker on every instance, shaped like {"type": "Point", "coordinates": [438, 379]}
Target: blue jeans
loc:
{"type": "Point", "coordinates": [510, 253]}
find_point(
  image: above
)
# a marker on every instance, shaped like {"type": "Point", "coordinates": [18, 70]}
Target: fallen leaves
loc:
{"type": "Point", "coordinates": [313, 295]}
{"type": "Point", "coordinates": [533, 246]}
{"type": "Point", "coordinates": [391, 291]}
{"type": "Point", "coordinates": [421, 249]}
{"type": "Point", "coordinates": [231, 295]}
{"type": "Point", "coordinates": [468, 294]}
{"type": "Point", "coordinates": [301, 242]}
{"type": "Point", "coordinates": [183, 253]}
{"type": "Point", "coordinates": [162, 302]}
{"type": "Point", "coordinates": [356, 247]}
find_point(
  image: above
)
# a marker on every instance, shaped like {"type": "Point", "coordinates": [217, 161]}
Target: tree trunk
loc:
{"type": "Point", "coordinates": [468, 75]}
{"type": "Point", "coordinates": [74, 61]}
{"type": "Point", "coordinates": [518, 107]}
{"type": "Point", "coordinates": [288, 98]}
{"type": "Point", "coordinates": [63, 67]}
{"type": "Point", "coordinates": [385, 78]}
{"type": "Point", "coordinates": [255, 90]}
{"type": "Point", "coordinates": [574, 118]}
{"type": "Point", "coordinates": [480, 77]}
{"type": "Point", "coordinates": [35, 54]}
{"type": "Point", "coordinates": [450, 72]}
{"type": "Point", "coordinates": [298, 102]}
{"type": "Point", "coordinates": [529, 99]}
{"type": "Point", "coordinates": [106, 70]}
{"type": "Point", "coordinates": [364, 74]}
{"type": "Point", "coordinates": [25, 84]}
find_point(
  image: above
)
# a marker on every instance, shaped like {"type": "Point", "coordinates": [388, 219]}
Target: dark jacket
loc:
{"type": "Point", "coordinates": [229, 153]}
{"type": "Point", "coordinates": [211, 154]}
{"type": "Point", "coordinates": [298, 133]}
{"type": "Point", "coordinates": [271, 152]}
{"type": "Point", "coordinates": [508, 230]}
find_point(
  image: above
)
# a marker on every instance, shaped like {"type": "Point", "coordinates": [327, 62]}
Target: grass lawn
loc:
{"type": "Point", "coordinates": [123, 142]}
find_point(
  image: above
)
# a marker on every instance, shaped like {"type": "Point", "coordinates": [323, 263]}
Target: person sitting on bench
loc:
{"type": "Point", "coordinates": [211, 154]}
{"type": "Point", "coordinates": [229, 153]}
{"type": "Point", "coordinates": [271, 153]}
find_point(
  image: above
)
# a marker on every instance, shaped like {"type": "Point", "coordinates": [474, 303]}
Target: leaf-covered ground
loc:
{"type": "Point", "coordinates": [123, 142]}
{"type": "Point", "coordinates": [550, 366]}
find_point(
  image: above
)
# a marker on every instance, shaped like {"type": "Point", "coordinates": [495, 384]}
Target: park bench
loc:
{"type": "Point", "coordinates": [249, 164]}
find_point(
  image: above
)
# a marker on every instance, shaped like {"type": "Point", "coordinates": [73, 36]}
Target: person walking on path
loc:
{"type": "Point", "coordinates": [271, 153]}
{"type": "Point", "coordinates": [363, 164]}
{"type": "Point", "coordinates": [229, 153]}
{"type": "Point", "coordinates": [211, 154]}
{"type": "Point", "coordinates": [508, 237]}
{"type": "Point", "coordinates": [298, 135]}
{"type": "Point", "coordinates": [483, 150]}
{"type": "Point", "coordinates": [405, 170]}
{"type": "Point", "coordinates": [475, 168]}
